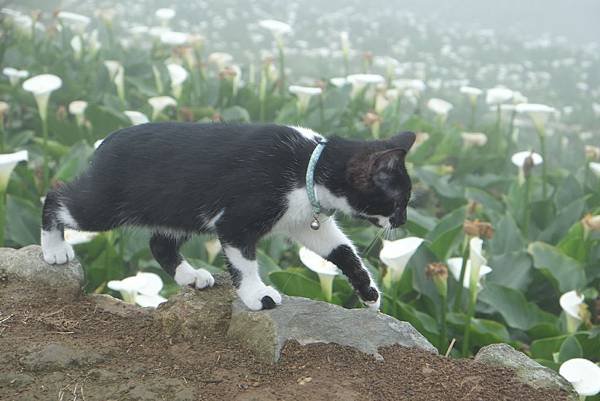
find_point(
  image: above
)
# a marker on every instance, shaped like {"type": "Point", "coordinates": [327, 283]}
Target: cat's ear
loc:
{"type": "Point", "coordinates": [403, 140]}
{"type": "Point", "coordinates": [386, 166]}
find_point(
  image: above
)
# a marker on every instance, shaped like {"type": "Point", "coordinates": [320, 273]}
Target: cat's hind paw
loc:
{"type": "Point", "coordinates": [185, 274]}
{"type": "Point", "coordinates": [257, 298]}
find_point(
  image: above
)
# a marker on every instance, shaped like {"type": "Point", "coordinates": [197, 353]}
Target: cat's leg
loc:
{"type": "Point", "coordinates": [332, 244]}
{"type": "Point", "coordinates": [165, 249]}
{"type": "Point", "coordinates": [55, 216]}
{"type": "Point", "coordinates": [244, 274]}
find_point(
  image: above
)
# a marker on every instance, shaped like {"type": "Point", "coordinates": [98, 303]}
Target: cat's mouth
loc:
{"type": "Point", "coordinates": [379, 221]}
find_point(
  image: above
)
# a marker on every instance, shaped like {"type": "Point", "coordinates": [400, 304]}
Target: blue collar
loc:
{"type": "Point", "coordinates": [310, 182]}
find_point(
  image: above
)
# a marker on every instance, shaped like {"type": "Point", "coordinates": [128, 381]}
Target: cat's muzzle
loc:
{"type": "Point", "coordinates": [398, 218]}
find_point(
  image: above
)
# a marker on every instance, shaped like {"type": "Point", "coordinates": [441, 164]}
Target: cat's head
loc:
{"type": "Point", "coordinates": [380, 185]}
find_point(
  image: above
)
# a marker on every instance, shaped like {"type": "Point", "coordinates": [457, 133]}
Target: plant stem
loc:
{"type": "Point", "coordinates": [542, 135]}
{"type": "Point", "coordinates": [443, 332]}
{"type": "Point", "coordinates": [2, 215]}
{"type": "Point", "coordinates": [472, 118]}
{"type": "Point", "coordinates": [527, 208]}
{"type": "Point", "coordinates": [2, 136]}
{"type": "Point", "coordinates": [463, 268]}
{"type": "Point", "coordinates": [282, 87]}
{"type": "Point", "coordinates": [470, 312]}
{"type": "Point", "coordinates": [45, 172]}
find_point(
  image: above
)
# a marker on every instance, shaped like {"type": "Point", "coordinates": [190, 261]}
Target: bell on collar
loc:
{"type": "Point", "coordinates": [315, 225]}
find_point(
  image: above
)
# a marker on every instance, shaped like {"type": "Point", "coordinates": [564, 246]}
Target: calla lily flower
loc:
{"type": "Point", "coordinates": [159, 103]}
{"type": "Point", "coordinates": [277, 28]}
{"type": "Point", "coordinates": [583, 374]}
{"type": "Point", "coordinates": [165, 15]}
{"type": "Point", "coordinates": [77, 22]}
{"type": "Point", "coordinates": [304, 93]}
{"type": "Point", "coordinates": [173, 38]}
{"type": "Point", "coordinates": [14, 75]}
{"type": "Point", "coordinates": [414, 86]}
{"type": "Point", "coordinates": [141, 289]}
{"type": "Point", "coordinates": [7, 165]}
{"type": "Point", "coordinates": [477, 262]}
{"type": "Point", "coordinates": [472, 92]}
{"type": "Point", "coordinates": [325, 269]}
{"type": "Point", "coordinates": [213, 247]}
{"type": "Point", "coordinates": [395, 255]}
{"type": "Point", "coordinates": [454, 265]}
{"type": "Point", "coordinates": [220, 59]}
{"type": "Point", "coordinates": [75, 237]}
{"type": "Point", "coordinates": [360, 81]}
{"type": "Point", "coordinates": [117, 75]}
{"type": "Point", "coordinates": [474, 139]}
{"type": "Point", "coordinates": [178, 75]}
{"type": "Point", "coordinates": [539, 113]}
{"type": "Point", "coordinates": [524, 161]}
{"type": "Point", "coordinates": [595, 167]}
{"type": "Point", "coordinates": [496, 96]}
{"type": "Point", "coordinates": [136, 117]}
{"type": "Point", "coordinates": [42, 86]}
{"type": "Point", "coordinates": [440, 107]}
{"type": "Point", "coordinates": [339, 82]}
{"type": "Point", "coordinates": [571, 303]}
{"type": "Point", "coordinates": [77, 108]}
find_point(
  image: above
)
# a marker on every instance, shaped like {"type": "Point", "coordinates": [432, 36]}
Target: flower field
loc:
{"type": "Point", "coordinates": [502, 242]}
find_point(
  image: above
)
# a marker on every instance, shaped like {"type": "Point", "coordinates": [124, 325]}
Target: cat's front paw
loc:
{"type": "Point", "coordinates": [257, 298]}
{"type": "Point", "coordinates": [185, 274]}
{"type": "Point", "coordinates": [58, 253]}
{"type": "Point", "coordinates": [372, 298]}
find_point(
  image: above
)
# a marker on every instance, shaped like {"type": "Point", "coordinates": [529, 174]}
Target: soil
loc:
{"type": "Point", "coordinates": [128, 358]}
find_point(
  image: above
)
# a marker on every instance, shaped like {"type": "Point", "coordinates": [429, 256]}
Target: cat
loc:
{"type": "Point", "coordinates": [240, 181]}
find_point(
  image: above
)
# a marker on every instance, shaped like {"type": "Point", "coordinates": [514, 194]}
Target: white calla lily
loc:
{"type": "Point", "coordinates": [499, 95]}
{"type": "Point", "coordinates": [76, 22]}
{"type": "Point", "coordinates": [571, 302]}
{"type": "Point", "coordinates": [173, 38]}
{"type": "Point", "coordinates": [595, 167]}
{"type": "Point", "coordinates": [159, 103]}
{"type": "Point", "coordinates": [539, 113]}
{"type": "Point", "coordinates": [339, 82]}
{"type": "Point", "coordinates": [165, 15]}
{"type": "Point", "coordinates": [75, 237]}
{"type": "Point", "coordinates": [304, 93]}
{"type": "Point", "coordinates": [583, 374]}
{"type": "Point", "coordinates": [454, 265]}
{"type": "Point", "coordinates": [143, 289]}
{"type": "Point", "coordinates": [521, 160]}
{"type": "Point", "coordinates": [116, 72]}
{"type": "Point", "coordinates": [77, 108]}
{"type": "Point", "coordinates": [220, 59]}
{"type": "Point", "coordinates": [7, 164]}
{"type": "Point", "coordinates": [277, 28]}
{"type": "Point", "coordinates": [325, 269]}
{"type": "Point", "coordinates": [414, 86]}
{"type": "Point", "coordinates": [471, 92]}
{"type": "Point", "coordinates": [395, 255]}
{"type": "Point", "coordinates": [14, 75]}
{"type": "Point", "coordinates": [136, 117]}
{"type": "Point", "coordinates": [440, 107]}
{"type": "Point", "coordinates": [477, 262]}
{"type": "Point", "coordinates": [213, 247]}
{"type": "Point", "coordinates": [42, 86]}
{"type": "Point", "coordinates": [361, 81]}
{"type": "Point", "coordinates": [474, 139]}
{"type": "Point", "coordinates": [178, 75]}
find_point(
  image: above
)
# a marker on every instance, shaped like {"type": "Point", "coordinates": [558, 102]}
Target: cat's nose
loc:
{"type": "Point", "coordinates": [398, 218]}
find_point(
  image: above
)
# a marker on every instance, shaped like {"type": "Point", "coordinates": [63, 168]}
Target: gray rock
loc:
{"type": "Point", "coordinates": [117, 307]}
{"type": "Point", "coordinates": [55, 356]}
{"type": "Point", "coordinates": [527, 370]}
{"type": "Point", "coordinates": [198, 313]}
{"type": "Point", "coordinates": [15, 380]}
{"type": "Point", "coordinates": [27, 264]}
{"type": "Point", "coordinates": [307, 321]}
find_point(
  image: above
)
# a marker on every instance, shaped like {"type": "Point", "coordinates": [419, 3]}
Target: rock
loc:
{"type": "Point", "coordinates": [15, 380]}
{"type": "Point", "coordinates": [527, 370]}
{"type": "Point", "coordinates": [117, 307]}
{"type": "Point", "coordinates": [198, 313]}
{"type": "Point", "coordinates": [27, 264]}
{"type": "Point", "coordinates": [307, 321]}
{"type": "Point", "coordinates": [55, 356]}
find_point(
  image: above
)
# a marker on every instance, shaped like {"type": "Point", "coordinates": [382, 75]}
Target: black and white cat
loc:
{"type": "Point", "coordinates": [242, 182]}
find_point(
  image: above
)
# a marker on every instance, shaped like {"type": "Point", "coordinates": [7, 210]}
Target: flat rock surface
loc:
{"type": "Point", "coordinates": [527, 370]}
{"type": "Point", "coordinates": [27, 264]}
{"type": "Point", "coordinates": [307, 321]}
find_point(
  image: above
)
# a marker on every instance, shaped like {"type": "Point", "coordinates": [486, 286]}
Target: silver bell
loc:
{"type": "Point", "coordinates": [315, 225]}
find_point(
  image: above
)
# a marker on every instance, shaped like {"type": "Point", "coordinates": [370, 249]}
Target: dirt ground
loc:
{"type": "Point", "coordinates": [118, 358]}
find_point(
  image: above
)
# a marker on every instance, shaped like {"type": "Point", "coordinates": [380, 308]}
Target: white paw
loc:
{"type": "Point", "coordinates": [185, 274]}
{"type": "Point", "coordinates": [252, 296]}
{"type": "Point", "coordinates": [373, 305]}
{"type": "Point", "coordinates": [58, 253]}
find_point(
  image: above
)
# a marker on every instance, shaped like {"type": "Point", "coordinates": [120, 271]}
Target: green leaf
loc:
{"type": "Point", "coordinates": [570, 349]}
{"type": "Point", "coordinates": [23, 221]}
{"type": "Point", "coordinates": [566, 217]}
{"type": "Point", "coordinates": [74, 163]}
{"type": "Point", "coordinates": [565, 272]}
{"type": "Point", "coordinates": [568, 192]}
{"type": "Point", "coordinates": [293, 282]}
{"type": "Point", "coordinates": [488, 202]}
{"type": "Point", "coordinates": [511, 270]}
{"type": "Point", "coordinates": [440, 183]}
{"type": "Point", "coordinates": [574, 245]}
{"type": "Point", "coordinates": [235, 114]}
{"type": "Point", "coordinates": [418, 223]}
{"type": "Point", "coordinates": [266, 266]}
{"type": "Point", "coordinates": [513, 307]}
{"type": "Point", "coordinates": [424, 323]}
{"type": "Point", "coordinates": [507, 237]}
{"type": "Point", "coordinates": [483, 331]}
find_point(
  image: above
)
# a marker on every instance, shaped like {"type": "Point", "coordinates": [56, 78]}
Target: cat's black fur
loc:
{"type": "Point", "coordinates": [185, 178]}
